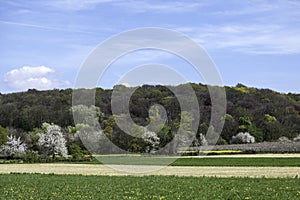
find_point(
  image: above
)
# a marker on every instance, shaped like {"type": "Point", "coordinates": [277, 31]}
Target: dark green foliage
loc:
{"type": "Point", "coordinates": [31, 157]}
{"type": "Point", "coordinates": [221, 141]}
{"type": "Point", "coordinates": [69, 187]}
{"type": "Point", "coordinates": [3, 135]}
{"type": "Point", "coordinates": [76, 152]}
{"type": "Point", "coordinates": [263, 113]}
{"type": "Point", "coordinates": [28, 110]}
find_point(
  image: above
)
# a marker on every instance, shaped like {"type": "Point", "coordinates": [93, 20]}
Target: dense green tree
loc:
{"type": "Point", "coordinates": [186, 133]}
{"type": "Point", "coordinates": [87, 115]}
{"type": "Point", "coordinates": [77, 152]}
{"type": "Point", "coordinates": [230, 128]}
{"type": "Point", "coordinates": [3, 135]}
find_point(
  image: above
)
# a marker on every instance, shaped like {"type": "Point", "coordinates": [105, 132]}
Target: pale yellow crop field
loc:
{"type": "Point", "coordinates": [88, 169]}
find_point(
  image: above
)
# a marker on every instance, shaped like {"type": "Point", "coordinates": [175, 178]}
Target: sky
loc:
{"type": "Point", "coordinates": [45, 42]}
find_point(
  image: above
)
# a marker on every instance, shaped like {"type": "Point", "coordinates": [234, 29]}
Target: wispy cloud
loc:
{"type": "Point", "coordinates": [29, 77]}
{"type": "Point", "coordinates": [250, 8]}
{"type": "Point", "coordinates": [44, 27]}
{"type": "Point", "coordinates": [136, 6]}
{"type": "Point", "coordinates": [76, 5]}
{"type": "Point", "coordinates": [166, 7]}
{"type": "Point", "coordinates": [251, 38]}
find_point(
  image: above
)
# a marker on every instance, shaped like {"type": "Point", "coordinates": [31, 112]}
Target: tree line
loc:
{"type": "Point", "coordinates": [265, 114]}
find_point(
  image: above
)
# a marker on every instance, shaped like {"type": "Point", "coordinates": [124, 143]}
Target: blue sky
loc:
{"type": "Point", "coordinates": [254, 42]}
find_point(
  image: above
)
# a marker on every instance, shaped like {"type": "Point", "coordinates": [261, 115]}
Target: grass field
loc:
{"type": "Point", "coordinates": [202, 161]}
{"type": "Point", "coordinates": [242, 161]}
{"type": "Point", "coordinates": [239, 161]}
{"type": "Point", "coordinates": [37, 186]}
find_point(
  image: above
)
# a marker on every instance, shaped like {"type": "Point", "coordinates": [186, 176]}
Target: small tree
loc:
{"type": "Point", "coordinates": [76, 152]}
{"type": "Point", "coordinates": [242, 138]}
{"type": "Point", "coordinates": [200, 140]}
{"type": "Point", "coordinates": [152, 141]}
{"type": "Point", "coordinates": [14, 146]}
{"type": "Point", "coordinates": [297, 139]}
{"type": "Point", "coordinates": [53, 141]}
{"type": "Point", "coordinates": [284, 139]}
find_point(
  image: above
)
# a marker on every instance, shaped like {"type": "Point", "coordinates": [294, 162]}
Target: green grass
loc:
{"type": "Point", "coordinates": [235, 161]}
{"type": "Point", "coordinates": [38, 186]}
{"type": "Point", "coordinates": [205, 161]}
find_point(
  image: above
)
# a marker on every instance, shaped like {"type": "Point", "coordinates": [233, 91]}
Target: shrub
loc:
{"type": "Point", "coordinates": [76, 152]}
{"type": "Point", "coordinates": [31, 157]}
{"type": "Point", "coordinates": [242, 138]}
{"type": "Point", "coordinates": [297, 139]}
{"type": "Point", "coordinates": [221, 141]}
{"type": "Point", "coordinates": [13, 147]}
{"type": "Point", "coordinates": [284, 139]}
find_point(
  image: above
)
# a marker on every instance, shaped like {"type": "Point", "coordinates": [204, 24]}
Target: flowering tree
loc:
{"type": "Point", "coordinates": [242, 138]}
{"type": "Point", "coordinates": [202, 140]}
{"type": "Point", "coordinates": [53, 141]}
{"type": "Point", "coordinates": [297, 139]}
{"type": "Point", "coordinates": [14, 146]}
{"type": "Point", "coordinates": [152, 141]}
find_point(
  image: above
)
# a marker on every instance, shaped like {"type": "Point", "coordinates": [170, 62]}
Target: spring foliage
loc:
{"type": "Point", "coordinates": [242, 138]}
{"type": "Point", "coordinates": [53, 141]}
{"type": "Point", "coordinates": [266, 114]}
{"type": "Point", "coordinates": [152, 141]}
{"type": "Point", "coordinates": [14, 146]}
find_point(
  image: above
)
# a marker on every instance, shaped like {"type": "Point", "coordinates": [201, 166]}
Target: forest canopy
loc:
{"type": "Point", "coordinates": [265, 114]}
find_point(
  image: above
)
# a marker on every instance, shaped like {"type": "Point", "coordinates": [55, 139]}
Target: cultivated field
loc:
{"type": "Point", "coordinates": [261, 176]}
{"type": "Point", "coordinates": [70, 187]}
{"type": "Point", "coordinates": [260, 165]}
{"type": "Point", "coordinates": [140, 170]}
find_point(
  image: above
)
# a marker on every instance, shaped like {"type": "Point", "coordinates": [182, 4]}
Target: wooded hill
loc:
{"type": "Point", "coordinates": [266, 114]}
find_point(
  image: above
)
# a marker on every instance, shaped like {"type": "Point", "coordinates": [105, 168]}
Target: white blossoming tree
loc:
{"type": "Point", "coordinates": [14, 146]}
{"type": "Point", "coordinates": [242, 138]}
{"type": "Point", "coordinates": [202, 140]}
{"type": "Point", "coordinates": [297, 139]}
{"type": "Point", "coordinates": [152, 141]}
{"type": "Point", "coordinates": [52, 141]}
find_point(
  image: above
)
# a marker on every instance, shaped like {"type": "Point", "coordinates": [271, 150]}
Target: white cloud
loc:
{"type": "Point", "coordinates": [29, 77]}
